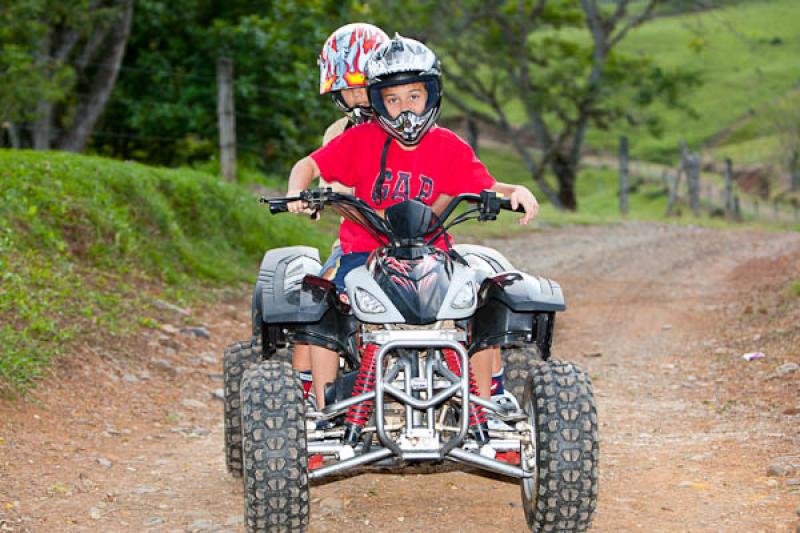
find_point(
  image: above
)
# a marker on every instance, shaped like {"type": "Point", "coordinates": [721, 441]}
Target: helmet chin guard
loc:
{"type": "Point", "coordinates": [408, 127]}
{"type": "Point", "coordinates": [357, 114]}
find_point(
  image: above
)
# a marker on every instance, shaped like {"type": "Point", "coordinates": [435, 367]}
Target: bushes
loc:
{"type": "Point", "coordinates": [81, 237]}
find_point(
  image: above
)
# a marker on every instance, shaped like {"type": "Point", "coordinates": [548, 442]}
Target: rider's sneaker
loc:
{"type": "Point", "coordinates": [315, 461]}
{"type": "Point", "coordinates": [498, 383]}
{"type": "Point", "coordinates": [512, 458]}
{"type": "Point", "coordinates": [508, 404]}
{"type": "Point", "coordinates": [306, 381]}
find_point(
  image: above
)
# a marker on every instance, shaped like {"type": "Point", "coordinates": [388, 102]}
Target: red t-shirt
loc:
{"type": "Point", "coordinates": [441, 163]}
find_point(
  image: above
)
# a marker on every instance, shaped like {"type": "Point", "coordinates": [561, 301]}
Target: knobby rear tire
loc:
{"type": "Point", "coordinates": [517, 364]}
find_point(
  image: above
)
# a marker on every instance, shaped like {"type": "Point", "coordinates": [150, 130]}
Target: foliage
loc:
{"type": "Point", "coordinates": [557, 63]}
{"type": "Point", "coordinates": [63, 56]}
{"type": "Point", "coordinates": [598, 195]}
{"type": "Point", "coordinates": [164, 106]}
{"type": "Point", "coordinates": [24, 79]}
{"type": "Point", "coordinates": [84, 241]}
{"type": "Point", "coordinates": [748, 59]}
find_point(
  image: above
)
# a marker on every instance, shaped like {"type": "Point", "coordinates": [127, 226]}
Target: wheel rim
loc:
{"type": "Point", "coordinates": [528, 455]}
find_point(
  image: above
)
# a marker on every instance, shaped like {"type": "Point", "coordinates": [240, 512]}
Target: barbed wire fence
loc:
{"type": "Point", "coordinates": [10, 133]}
{"type": "Point", "coordinates": [715, 192]}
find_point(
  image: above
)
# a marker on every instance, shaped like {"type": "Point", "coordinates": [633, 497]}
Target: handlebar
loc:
{"type": "Point", "coordinates": [487, 206]}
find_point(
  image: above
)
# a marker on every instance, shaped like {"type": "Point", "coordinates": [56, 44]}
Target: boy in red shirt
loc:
{"type": "Point", "coordinates": [416, 160]}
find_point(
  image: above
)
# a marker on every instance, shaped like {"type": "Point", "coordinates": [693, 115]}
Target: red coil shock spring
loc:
{"type": "Point", "coordinates": [358, 414]}
{"type": "Point", "coordinates": [476, 413]}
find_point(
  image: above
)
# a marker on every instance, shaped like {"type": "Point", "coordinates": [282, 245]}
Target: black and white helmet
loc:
{"type": "Point", "coordinates": [398, 62]}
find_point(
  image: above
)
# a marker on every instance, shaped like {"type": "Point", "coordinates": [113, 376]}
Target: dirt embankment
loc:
{"type": "Point", "coordinates": [694, 438]}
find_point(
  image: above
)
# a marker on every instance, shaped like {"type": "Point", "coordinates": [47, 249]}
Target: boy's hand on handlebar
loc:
{"type": "Point", "coordinates": [300, 206]}
{"type": "Point", "coordinates": [525, 198]}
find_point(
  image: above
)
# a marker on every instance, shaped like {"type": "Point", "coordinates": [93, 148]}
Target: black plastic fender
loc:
{"type": "Point", "coordinates": [516, 308]}
{"type": "Point", "coordinates": [275, 299]}
{"type": "Point", "coordinates": [522, 293]}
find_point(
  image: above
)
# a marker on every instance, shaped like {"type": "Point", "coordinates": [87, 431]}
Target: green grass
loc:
{"type": "Point", "coordinates": [747, 57]}
{"type": "Point", "coordinates": [796, 288]}
{"type": "Point", "coordinates": [86, 243]}
{"type": "Point", "coordinates": [597, 191]}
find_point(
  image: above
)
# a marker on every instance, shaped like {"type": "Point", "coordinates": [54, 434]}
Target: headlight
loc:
{"type": "Point", "coordinates": [368, 303]}
{"type": "Point", "coordinates": [465, 297]}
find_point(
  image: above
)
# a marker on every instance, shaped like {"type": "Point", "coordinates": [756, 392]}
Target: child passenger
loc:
{"type": "Point", "coordinates": [422, 161]}
{"type": "Point", "coordinates": [342, 74]}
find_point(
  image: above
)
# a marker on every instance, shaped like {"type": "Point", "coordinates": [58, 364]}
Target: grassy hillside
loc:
{"type": "Point", "coordinates": [88, 243]}
{"type": "Point", "coordinates": [746, 54]}
{"type": "Point", "coordinates": [597, 191]}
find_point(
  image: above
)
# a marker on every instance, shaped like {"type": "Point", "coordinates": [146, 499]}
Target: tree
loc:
{"type": "Point", "coordinates": [163, 109]}
{"type": "Point", "coordinates": [70, 51]}
{"type": "Point", "coordinates": [24, 80]}
{"type": "Point", "coordinates": [557, 60]}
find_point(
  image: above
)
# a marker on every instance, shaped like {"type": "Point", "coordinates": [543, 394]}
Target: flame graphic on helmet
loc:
{"type": "Point", "coordinates": [345, 54]}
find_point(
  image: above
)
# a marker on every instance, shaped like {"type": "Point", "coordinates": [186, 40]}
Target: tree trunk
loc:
{"type": "Point", "coordinates": [13, 138]}
{"type": "Point", "coordinates": [92, 107]}
{"type": "Point", "coordinates": [566, 174]}
{"type": "Point", "coordinates": [40, 129]}
{"type": "Point", "coordinates": [227, 118]}
{"type": "Point", "coordinates": [472, 133]}
{"type": "Point", "coordinates": [41, 132]}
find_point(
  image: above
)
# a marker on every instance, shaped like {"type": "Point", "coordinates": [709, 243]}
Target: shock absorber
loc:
{"type": "Point", "coordinates": [358, 414]}
{"type": "Point", "coordinates": [477, 416]}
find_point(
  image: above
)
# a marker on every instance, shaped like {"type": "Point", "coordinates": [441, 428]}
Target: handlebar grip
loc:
{"type": "Point", "coordinates": [278, 207]}
{"type": "Point", "coordinates": [505, 203]}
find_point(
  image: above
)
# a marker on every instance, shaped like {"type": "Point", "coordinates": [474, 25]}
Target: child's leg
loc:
{"type": "Point", "coordinates": [481, 363]}
{"type": "Point", "coordinates": [301, 357]}
{"type": "Point", "coordinates": [497, 373]}
{"type": "Point", "coordinates": [322, 363]}
{"type": "Point", "coordinates": [324, 366]}
{"type": "Point", "coordinates": [497, 363]}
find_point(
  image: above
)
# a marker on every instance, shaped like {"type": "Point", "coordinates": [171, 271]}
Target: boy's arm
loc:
{"type": "Point", "coordinates": [519, 195]}
{"type": "Point", "coordinates": [303, 172]}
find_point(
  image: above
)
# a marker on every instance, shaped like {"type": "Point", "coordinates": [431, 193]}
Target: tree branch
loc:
{"type": "Point", "coordinates": [102, 84]}
{"type": "Point", "coordinates": [642, 17]}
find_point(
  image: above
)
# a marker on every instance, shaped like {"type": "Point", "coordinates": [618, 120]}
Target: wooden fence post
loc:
{"type": "Point", "coordinates": [673, 190]}
{"type": "Point", "coordinates": [728, 187]}
{"type": "Point", "coordinates": [691, 165]}
{"type": "Point", "coordinates": [226, 118]}
{"type": "Point", "coordinates": [623, 175]}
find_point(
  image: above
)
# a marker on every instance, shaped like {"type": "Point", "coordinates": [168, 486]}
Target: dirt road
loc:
{"type": "Point", "coordinates": [129, 437]}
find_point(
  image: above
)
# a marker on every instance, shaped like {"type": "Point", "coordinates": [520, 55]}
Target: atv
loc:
{"type": "Point", "coordinates": [405, 395]}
